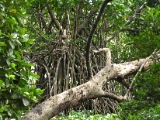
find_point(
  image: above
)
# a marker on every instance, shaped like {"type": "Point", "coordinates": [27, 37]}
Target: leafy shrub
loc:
{"type": "Point", "coordinates": [17, 82]}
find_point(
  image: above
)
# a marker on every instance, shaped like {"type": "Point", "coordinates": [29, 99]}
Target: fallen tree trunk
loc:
{"type": "Point", "coordinates": [89, 90]}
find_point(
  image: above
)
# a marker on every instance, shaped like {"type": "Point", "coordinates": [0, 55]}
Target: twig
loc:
{"type": "Point", "coordinates": [135, 14]}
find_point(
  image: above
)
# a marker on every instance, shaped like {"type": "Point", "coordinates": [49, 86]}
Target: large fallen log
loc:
{"type": "Point", "coordinates": [89, 90]}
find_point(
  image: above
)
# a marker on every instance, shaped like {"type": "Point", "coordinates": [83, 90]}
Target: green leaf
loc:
{"type": "Point", "coordinates": [13, 66]}
{"type": "Point", "coordinates": [26, 93]}
{"type": "Point", "coordinates": [14, 35]}
{"type": "Point", "coordinates": [8, 62]}
{"type": "Point", "coordinates": [11, 76]}
{"type": "Point", "coordinates": [35, 99]}
{"type": "Point", "coordinates": [39, 91]}
{"type": "Point", "coordinates": [10, 53]}
{"type": "Point", "coordinates": [34, 75]}
{"type": "Point", "coordinates": [22, 31]}
{"type": "Point", "coordinates": [25, 38]}
{"type": "Point", "coordinates": [31, 41]}
{"type": "Point", "coordinates": [30, 64]}
{"type": "Point", "coordinates": [18, 55]}
{"type": "Point", "coordinates": [11, 44]}
{"type": "Point", "coordinates": [15, 96]}
{"type": "Point", "coordinates": [25, 102]}
{"type": "Point", "coordinates": [18, 42]}
{"type": "Point", "coordinates": [12, 21]}
{"type": "Point", "coordinates": [2, 83]}
{"type": "Point", "coordinates": [23, 82]}
{"type": "Point", "coordinates": [4, 108]}
{"type": "Point", "coordinates": [2, 44]}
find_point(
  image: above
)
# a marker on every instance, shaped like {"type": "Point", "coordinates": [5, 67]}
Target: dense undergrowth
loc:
{"type": "Point", "coordinates": [85, 115]}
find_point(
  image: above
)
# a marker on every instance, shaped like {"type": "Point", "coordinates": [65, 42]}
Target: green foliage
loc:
{"type": "Point", "coordinates": [135, 45]}
{"type": "Point", "coordinates": [146, 102]}
{"type": "Point", "coordinates": [139, 110]}
{"type": "Point", "coordinates": [139, 43]}
{"type": "Point", "coordinates": [86, 115]}
{"type": "Point", "coordinates": [146, 39]}
{"type": "Point", "coordinates": [17, 82]}
{"type": "Point", "coordinates": [147, 85]}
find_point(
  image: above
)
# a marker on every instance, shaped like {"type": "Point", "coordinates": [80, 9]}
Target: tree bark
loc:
{"type": "Point", "coordinates": [89, 90]}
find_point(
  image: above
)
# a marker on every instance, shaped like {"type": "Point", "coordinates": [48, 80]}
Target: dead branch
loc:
{"type": "Point", "coordinates": [135, 14]}
{"type": "Point", "coordinates": [108, 54]}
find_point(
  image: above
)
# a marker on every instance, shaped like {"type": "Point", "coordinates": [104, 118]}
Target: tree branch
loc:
{"type": "Point", "coordinates": [90, 38]}
{"type": "Point", "coordinates": [113, 96]}
{"type": "Point", "coordinates": [108, 54]}
{"type": "Point", "coordinates": [53, 17]}
{"type": "Point", "coordinates": [135, 14]}
{"type": "Point", "coordinates": [86, 21]}
{"type": "Point", "coordinates": [123, 82]}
